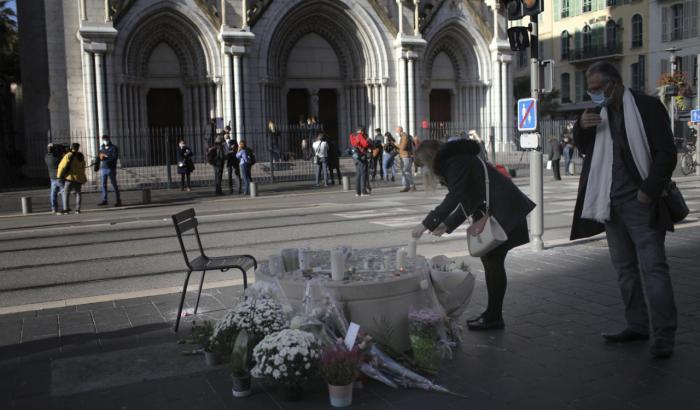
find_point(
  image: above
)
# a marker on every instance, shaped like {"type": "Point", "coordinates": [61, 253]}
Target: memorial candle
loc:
{"type": "Point", "coordinates": [412, 248]}
{"type": "Point", "coordinates": [401, 259]}
{"type": "Point", "coordinates": [337, 264]}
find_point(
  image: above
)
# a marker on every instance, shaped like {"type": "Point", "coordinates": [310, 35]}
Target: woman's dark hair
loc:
{"type": "Point", "coordinates": [606, 70]}
{"type": "Point", "coordinates": [74, 146]}
{"type": "Point", "coordinates": [426, 152]}
{"type": "Point", "coordinates": [389, 137]}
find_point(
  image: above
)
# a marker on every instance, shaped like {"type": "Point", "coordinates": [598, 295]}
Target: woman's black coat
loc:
{"type": "Point", "coordinates": [460, 169]}
{"type": "Point", "coordinates": [184, 157]}
{"type": "Point", "coordinates": [663, 161]}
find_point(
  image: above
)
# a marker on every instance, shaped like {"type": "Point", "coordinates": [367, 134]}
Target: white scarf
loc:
{"type": "Point", "coordinates": [596, 205]}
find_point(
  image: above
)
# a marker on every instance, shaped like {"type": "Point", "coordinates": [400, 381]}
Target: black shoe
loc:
{"type": "Point", "coordinates": [661, 349]}
{"type": "Point", "coordinates": [485, 324]}
{"type": "Point", "coordinates": [103, 203]}
{"type": "Point", "coordinates": [625, 336]}
{"type": "Point", "coordinates": [118, 204]}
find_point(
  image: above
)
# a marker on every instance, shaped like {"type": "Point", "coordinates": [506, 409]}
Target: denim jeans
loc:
{"type": "Point", "coordinates": [56, 188]}
{"type": "Point", "coordinates": [71, 186]}
{"type": "Point", "coordinates": [360, 176]}
{"type": "Point", "coordinates": [111, 174]}
{"type": "Point", "coordinates": [407, 173]}
{"type": "Point", "coordinates": [245, 174]}
{"type": "Point", "coordinates": [639, 256]}
{"type": "Point", "coordinates": [322, 166]}
{"type": "Point", "coordinates": [389, 163]}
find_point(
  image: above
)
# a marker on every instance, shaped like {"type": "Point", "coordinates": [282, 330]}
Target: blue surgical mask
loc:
{"type": "Point", "coordinates": [599, 98]}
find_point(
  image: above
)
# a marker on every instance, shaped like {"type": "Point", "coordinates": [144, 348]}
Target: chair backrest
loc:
{"type": "Point", "coordinates": [185, 221]}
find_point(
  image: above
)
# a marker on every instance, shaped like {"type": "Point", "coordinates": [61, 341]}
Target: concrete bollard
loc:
{"type": "Point", "coordinates": [253, 187]}
{"type": "Point", "coordinates": [572, 168]}
{"type": "Point", "coordinates": [26, 205]}
{"type": "Point", "coordinates": [146, 196]}
{"type": "Point", "coordinates": [346, 184]}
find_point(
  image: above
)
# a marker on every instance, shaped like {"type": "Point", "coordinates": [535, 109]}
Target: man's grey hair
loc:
{"type": "Point", "coordinates": [606, 70]}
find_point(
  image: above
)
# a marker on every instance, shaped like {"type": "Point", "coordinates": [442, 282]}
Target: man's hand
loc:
{"type": "Point", "coordinates": [418, 231]}
{"type": "Point", "coordinates": [440, 230]}
{"type": "Point", "coordinates": [102, 155]}
{"type": "Point", "coordinates": [589, 119]}
{"type": "Point", "coordinates": [643, 198]}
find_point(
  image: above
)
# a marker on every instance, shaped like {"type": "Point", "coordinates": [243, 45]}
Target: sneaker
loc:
{"type": "Point", "coordinates": [57, 212]}
{"type": "Point", "coordinates": [358, 194]}
{"type": "Point", "coordinates": [103, 203]}
{"type": "Point", "coordinates": [77, 211]}
{"type": "Point", "coordinates": [118, 204]}
{"type": "Point", "coordinates": [188, 189]}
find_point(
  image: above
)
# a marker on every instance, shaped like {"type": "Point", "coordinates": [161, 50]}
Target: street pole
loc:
{"type": "Point", "coordinates": [697, 126]}
{"type": "Point", "coordinates": [536, 178]}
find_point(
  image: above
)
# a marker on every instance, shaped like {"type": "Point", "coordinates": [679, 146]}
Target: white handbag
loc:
{"type": "Point", "coordinates": [485, 234]}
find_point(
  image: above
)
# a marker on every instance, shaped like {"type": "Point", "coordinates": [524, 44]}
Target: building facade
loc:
{"type": "Point", "coordinates": [120, 66]}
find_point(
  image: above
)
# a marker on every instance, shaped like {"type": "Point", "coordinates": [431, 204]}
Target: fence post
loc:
{"type": "Point", "coordinates": [26, 205]}
{"type": "Point", "coordinates": [146, 196]}
{"type": "Point", "coordinates": [168, 159]}
{"type": "Point", "coordinates": [346, 183]}
{"type": "Point", "coordinates": [253, 188]}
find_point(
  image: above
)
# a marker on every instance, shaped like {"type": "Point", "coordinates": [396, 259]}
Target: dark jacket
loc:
{"type": "Point", "coordinates": [458, 165]}
{"type": "Point", "coordinates": [663, 161]}
{"type": "Point", "coordinates": [184, 160]}
{"type": "Point", "coordinates": [111, 153]}
{"type": "Point", "coordinates": [52, 162]}
{"type": "Point", "coordinates": [554, 149]}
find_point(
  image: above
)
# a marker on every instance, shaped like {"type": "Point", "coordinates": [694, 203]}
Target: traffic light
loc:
{"type": "Point", "coordinates": [517, 9]}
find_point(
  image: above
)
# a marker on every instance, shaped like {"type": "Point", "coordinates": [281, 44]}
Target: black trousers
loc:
{"type": "Point", "coordinates": [555, 169]}
{"type": "Point", "coordinates": [184, 176]}
{"type": "Point", "coordinates": [218, 176]}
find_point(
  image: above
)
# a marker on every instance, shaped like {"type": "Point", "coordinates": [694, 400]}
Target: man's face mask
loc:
{"type": "Point", "coordinates": [106, 142]}
{"type": "Point", "coordinates": [599, 97]}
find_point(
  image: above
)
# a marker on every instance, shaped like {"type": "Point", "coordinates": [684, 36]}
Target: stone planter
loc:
{"type": "Point", "coordinates": [241, 386]}
{"type": "Point", "coordinates": [211, 358]}
{"type": "Point", "coordinates": [340, 396]}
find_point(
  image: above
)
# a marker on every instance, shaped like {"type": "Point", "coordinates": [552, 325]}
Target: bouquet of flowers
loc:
{"type": "Point", "coordinates": [340, 366]}
{"type": "Point", "coordinates": [288, 357]}
{"type": "Point", "coordinates": [258, 316]}
{"type": "Point", "coordinates": [424, 329]}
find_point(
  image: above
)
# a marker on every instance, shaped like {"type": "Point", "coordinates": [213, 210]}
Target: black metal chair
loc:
{"type": "Point", "coordinates": [185, 221]}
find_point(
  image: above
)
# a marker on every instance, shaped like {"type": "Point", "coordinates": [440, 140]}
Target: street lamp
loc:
{"type": "Point", "coordinates": [672, 51]}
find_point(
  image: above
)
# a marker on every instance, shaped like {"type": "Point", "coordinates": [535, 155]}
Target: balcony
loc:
{"type": "Point", "coordinates": [595, 52]}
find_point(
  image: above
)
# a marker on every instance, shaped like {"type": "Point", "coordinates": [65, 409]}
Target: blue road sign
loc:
{"type": "Point", "coordinates": [695, 116]}
{"type": "Point", "coordinates": [527, 114]}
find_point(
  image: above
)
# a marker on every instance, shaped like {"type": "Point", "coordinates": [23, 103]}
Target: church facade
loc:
{"type": "Point", "coordinates": [110, 66]}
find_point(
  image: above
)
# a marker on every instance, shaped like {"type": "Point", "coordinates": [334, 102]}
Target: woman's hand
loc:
{"type": "Point", "coordinates": [440, 230]}
{"type": "Point", "coordinates": [418, 231]}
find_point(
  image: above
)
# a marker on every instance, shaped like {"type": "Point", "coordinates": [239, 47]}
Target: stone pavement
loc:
{"type": "Point", "coordinates": [123, 355]}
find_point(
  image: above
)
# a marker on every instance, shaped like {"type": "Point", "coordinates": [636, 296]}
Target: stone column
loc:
{"type": "Point", "coordinates": [399, 5]}
{"type": "Point", "coordinates": [212, 101]}
{"type": "Point", "coordinates": [100, 91]}
{"type": "Point", "coordinates": [244, 14]}
{"type": "Point", "coordinates": [411, 129]}
{"type": "Point", "coordinates": [377, 107]}
{"type": "Point", "coordinates": [504, 105]}
{"type": "Point", "coordinates": [385, 106]}
{"type": "Point", "coordinates": [416, 27]}
{"type": "Point", "coordinates": [227, 90]}
{"type": "Point", "coordinates": [203, 111]}
{"type": "Point", "coordinates": [194, 107]}
{"type": "Point", "coordinates": [238, 92]}
{"type": "Point", "coordinates": [401, 84]}
{"type": "Point", "coordinates": [88, 83]}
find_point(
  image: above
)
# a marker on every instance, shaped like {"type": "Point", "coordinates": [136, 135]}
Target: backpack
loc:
{"type": "Point", "coordinates": [251, 157]}
{"type": "Point", "coordinates": [212, 154]}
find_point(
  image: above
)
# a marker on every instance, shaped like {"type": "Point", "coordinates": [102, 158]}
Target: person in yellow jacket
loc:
{"type": "Point", "coordinates": [72, 170]}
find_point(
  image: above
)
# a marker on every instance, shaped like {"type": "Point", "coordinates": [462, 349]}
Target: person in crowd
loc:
{"type": "Point", "coordinates": [568, 155]}
{"type": "Point", "coordinates": [274, 135]}
{"type": "Point", "coordinates": [333, 161]}
{"type": "Point", "coordinates": [245, 159]}
{"type": "Point", "coordinates": [473, 135]}
{"type": "Point", "coordinates": [375, 161]}
{"type": "Point", "coordinates": [109, 156]}
{"type": "Point", "coordinates": [216, 157]}
{"type": "Point", "coordinates": [553, 150]}
{"type": "Point", "coordinates": [321, 157]}
{"type": "Point", "coordinates": [232, 166]}
{"type": "Point", "coordinates": [457, 165]}
{"type": "Point", "coordinates": [52, 158]}
{"type": "Point", "coordinates": [406, 148]}
{"type": "Point", "coordinates": [72, 170]}
{"type": "Point", "coordinates": [185, 165]}
{"type": "Point", "coordinates": [389, 152]}
{"type": "Point", "coordinates": [360, 147]}
{"type": "Point", "coordinates": [630, 156]}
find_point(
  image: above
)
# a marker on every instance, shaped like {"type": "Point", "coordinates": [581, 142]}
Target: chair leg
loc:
{"type": "Point", "coordinates": [199, 295]}
{"type": "Point", "coordinates": [245, 277]}
{"type": "Point", "coordinates": [182, 301]}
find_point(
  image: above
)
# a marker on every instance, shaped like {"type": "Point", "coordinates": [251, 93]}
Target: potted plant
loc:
{"type": "Point", "coordinates": [202, 336]}
{"type": "Point", "coordinates": [287, 359]}
{"type": "Point", "coordinates": [240, 365]}
{"type": "Point", "coordinates": [339, 368]}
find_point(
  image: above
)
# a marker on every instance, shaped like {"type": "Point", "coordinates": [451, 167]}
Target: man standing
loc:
{"type": "Point", "coordinates": [52, 159]}
{"type": "Point", "coordinates": [321, 157]}
{"type": "Point", "coordinates": [72, 169]}
{"type": "Point", "coordinates": [554, 153]}
{"type": "Point", "coordinates": [232, 166]}
{"type": "Point", "coordinates": [216, 157]}
{"type": "Point", "coordinates": [406, 146]}
{"type": "Point", "coordinates": [360, 145]}
{"type": "Point", "coordinates": [108, 155]}
{"type": "Point", "coordinates": [245, 159]}
{"type": "Point", "coordinates": [629, 158]}
{"type": "Point", "coordinates": [376, 155]}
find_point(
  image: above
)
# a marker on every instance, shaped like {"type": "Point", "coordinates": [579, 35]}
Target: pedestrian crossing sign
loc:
{"type": "Point", "coordinates": [527, 114]}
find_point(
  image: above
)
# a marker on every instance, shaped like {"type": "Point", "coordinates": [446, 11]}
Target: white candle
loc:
{"type": "Point", "coordinates": [304, 259]}
{"type": "Point", "coordinates": [412, 248]}
{"type": "Point", "coordinates": [401, 259]}
{"type": "Point", "coordinates": [276, 264]}
{"type": "Point", "coordinates": [337, 265]}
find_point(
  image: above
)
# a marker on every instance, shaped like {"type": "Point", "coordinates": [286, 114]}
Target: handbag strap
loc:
{"type": "Point", "coordinates": [488, 183]}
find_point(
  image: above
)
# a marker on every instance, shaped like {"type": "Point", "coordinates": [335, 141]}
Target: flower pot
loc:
{"type": "Point", "coordinates": [211, 358]}
{"type": "Point", "coordinates": [290, 393]}
{"type": "Point", "coordinates": [340, 396]}
{"type": "Point", "coordinates": [241, 386]}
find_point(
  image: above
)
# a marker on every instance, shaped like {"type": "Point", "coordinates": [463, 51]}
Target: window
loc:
{"type": "Point", "coordinates": [565, 45]}
{"type": "Point", "coordinates": [610, 35]}
{"type": "Point", "coordinates": [637, 38]}
{"type": "Point", "coordinates": [676, 22]}
{"type": "Point", "coordinates": [611, 3]}
{"type": "Point", "coordinates": [565, 88]}
{"type": "Point", "coordinates": [587, 5]}
{"type": "Point", "coordinates": [580, 86]}
{"type": "Point", "coordinates": [564, 8]}
{"type": "Point", "coordinates": [587, 39]}
{"type": "Point", "coordinates": [638, 75]}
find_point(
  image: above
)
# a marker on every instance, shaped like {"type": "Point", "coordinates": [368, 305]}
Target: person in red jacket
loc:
{"type": "Point", "coordinates": [360, 148]}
